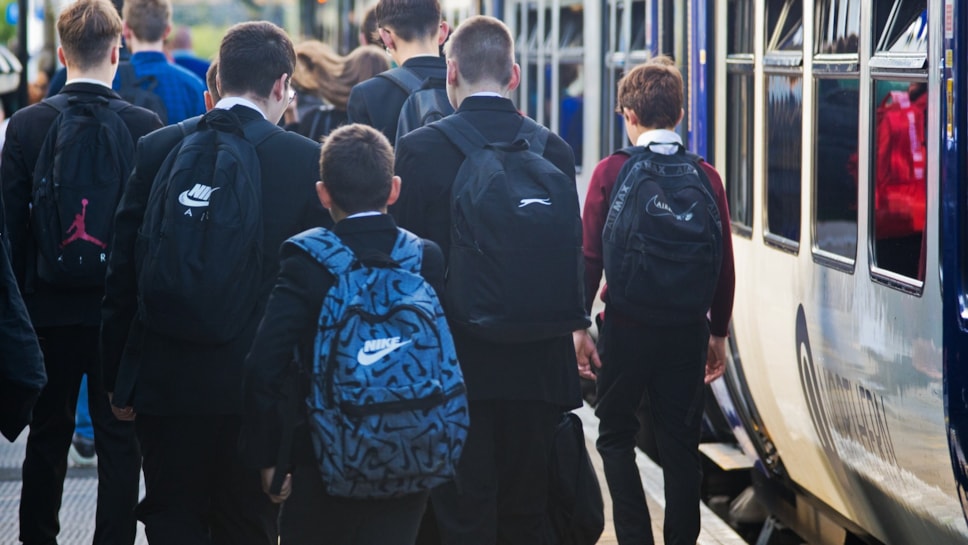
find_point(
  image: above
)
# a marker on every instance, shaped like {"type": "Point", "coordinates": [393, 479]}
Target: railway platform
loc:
{"type": "Point", "coordinates": [80, 491]}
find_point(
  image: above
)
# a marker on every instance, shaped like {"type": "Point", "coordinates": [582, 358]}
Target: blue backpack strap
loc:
{"type": "Point", "coordinates": [461, 133]}
{"type": "Point", "coordinates": [408, 251]}
{"type": "Point", "coordinates": [326, 248]}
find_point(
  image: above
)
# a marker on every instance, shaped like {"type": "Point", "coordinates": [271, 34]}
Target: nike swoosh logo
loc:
{"type": "Point", "coordinates": [369, 358]}
{"type": "Point", "coordinates": [184, 199]}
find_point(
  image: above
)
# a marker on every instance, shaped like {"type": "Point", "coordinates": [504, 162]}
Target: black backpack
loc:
{"type": "Point", "coordinates": [426, 101]}
{"type": "Point", "coordinates": [576, 510]}
{"type": "Point", "coordinates": [515, 269]}
{"type": "Point", "coordinates": [663, 240]}
{"type": "Point", "coordinates": [200, 246]}
{"type": "Point", "coordinates": [78, 180]}
{"type": "Point", "coordinates": [141, 91]}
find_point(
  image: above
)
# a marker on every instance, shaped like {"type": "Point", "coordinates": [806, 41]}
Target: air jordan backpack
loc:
{"type": "Point", "coordinates": [515, 267]}
{"type": "Point", "coordinates": [387, 407]}
{"type": "Point", "coordinates": [80, 173]}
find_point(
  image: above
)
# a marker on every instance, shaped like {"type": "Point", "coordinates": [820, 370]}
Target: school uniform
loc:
{"type": "Point", "coordinates": [377, 101]}
{"type": "Point", "coordinates": [310, 514]}
{"type": "Point", "coordinates": [665, 362]}
{"type": "Point", "coordinates": [516, 391]}
{"type": "Point", "coordinates": [66, 321]}
{"type": "Point", "coordinates": [188, 396]}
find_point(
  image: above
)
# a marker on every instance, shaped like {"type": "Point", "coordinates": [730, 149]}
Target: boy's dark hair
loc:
{"type": "Point", "coordinates": [483, 49]}
{"type": "Point", "coordinates": [411, 20]}
{"type": "Point", "coordinates": [210, 81]}
{"type": "Point", "coordinates": [369, 29]}
{"type": "Point", "coordinates": [147, 19]}
{"type": "Point", "coordinates": [88, 30]}
{"type": "Point", "coordinates": [654, 92]}
{"type": "Point", "coordinates": [252, 56]}
{"type": "Point", "coordinates": [356, 164]}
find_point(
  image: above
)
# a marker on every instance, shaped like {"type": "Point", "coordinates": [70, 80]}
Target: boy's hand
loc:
{"type": "Point", "coordinates": [715, 358]}
{"type": "Point", "coordinates": [268, 473]}
{"type": "Point", "coordinates": [586, 353]}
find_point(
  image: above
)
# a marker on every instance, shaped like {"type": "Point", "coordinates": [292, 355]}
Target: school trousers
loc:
{"type": "Point", "coordinates": [500, 493]}
{"type": "Point", "coordinates": [310, 516]}
{"type": "Point", "coordinates": [197, 492]}
{"type": "Point", "coordinates": [69, 353]}
{"type": "Point", "coordinates": [666, 364]}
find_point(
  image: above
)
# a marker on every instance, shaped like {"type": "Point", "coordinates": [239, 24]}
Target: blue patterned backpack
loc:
{"type": "Point", "coordinates": [387, 406]}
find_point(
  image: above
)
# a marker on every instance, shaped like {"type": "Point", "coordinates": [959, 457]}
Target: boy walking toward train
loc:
{"type": "Point", "coordinates": [665, 322]}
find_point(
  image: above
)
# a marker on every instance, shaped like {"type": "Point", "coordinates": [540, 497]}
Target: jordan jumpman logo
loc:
{"type": "Point", "coordinates": [78, 230]}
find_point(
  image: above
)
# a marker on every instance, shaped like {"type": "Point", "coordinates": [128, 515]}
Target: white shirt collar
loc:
{"type": "Point", "coordinates": [365, 214]}
{"type": "Point", "coordinates": [488, 94]}
{"type": "Point", "coordinates": [228, 102]}
{"type": "Point", "coordinates": [660, 136]}
{"type": "Point", "coordinates": [87, 80]}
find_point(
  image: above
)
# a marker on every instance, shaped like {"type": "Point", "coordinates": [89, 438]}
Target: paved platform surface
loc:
{"type": "Point", "coordinates": [80, 491]}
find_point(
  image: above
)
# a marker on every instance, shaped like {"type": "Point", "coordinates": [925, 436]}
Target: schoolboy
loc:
{"type": "Point", "coordinates": [667, 363]}
{"type": "Point", "coordinates": [357, 184]}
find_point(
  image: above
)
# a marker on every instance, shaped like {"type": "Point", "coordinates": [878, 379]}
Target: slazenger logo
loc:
{"type": "Point", "coordinates": [374, 349]}
{"type": "Point", "coordinates": [655, 207]}
{"type": "Point", "coordinates": [526, 202]}
{"type": "Point", "coordinates": [197, 196]}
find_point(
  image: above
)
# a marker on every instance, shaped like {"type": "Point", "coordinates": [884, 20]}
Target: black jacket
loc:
{"type": "Point", "coordinates": [377, 101]}
{"type": "Point", "coordinates": [427, 162]}
{"type": "Point", "coordinates": [290, 321]}
{"type": "Point", "coordinates": [25, 136]}
{"type": "Point", "coordinates": [22, 374]}
{"type": "Point", "coordinates": [163, 376]}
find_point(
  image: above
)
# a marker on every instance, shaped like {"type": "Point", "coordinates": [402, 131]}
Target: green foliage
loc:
{"type": "Point", "coordinates": [7, 31]}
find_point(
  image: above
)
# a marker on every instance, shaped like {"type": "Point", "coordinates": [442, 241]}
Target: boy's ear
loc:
{"type": "Point", "coordinates": [394, 190]}
{"type": "Point", "coordinates": [323, 195]}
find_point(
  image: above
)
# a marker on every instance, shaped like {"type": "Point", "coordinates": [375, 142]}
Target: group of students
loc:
{"type": "Point", "coordinates": [203, 408]}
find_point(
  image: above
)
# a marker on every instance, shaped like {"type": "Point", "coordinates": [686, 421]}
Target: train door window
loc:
{"type": "Point", "coordinates": [837, 92]}
{"type": "Point", "coordinates": [739, 115]}
{"type": "Point", "coordinates": [898, 152]}
{"type": "Point", "coordinates": [784, 122]}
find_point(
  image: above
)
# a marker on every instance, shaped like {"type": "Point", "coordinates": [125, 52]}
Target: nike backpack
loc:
{"type": "Point", "coordinates": [515, 269]}
{"type": "Point", "coordinates": [662, 241]}
{"type": "Point", "coordinates": [199, 251]}
{"type": "Point", "coordinates": [141, 91]}
{"type": "Point", "coordinates": [426, 102]}
{"type": "Point", "coordinates": [79, 176]}
{"type": "Point", "coordinates": [387, 407]}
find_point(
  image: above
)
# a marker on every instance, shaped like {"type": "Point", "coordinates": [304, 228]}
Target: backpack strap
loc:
{"type": "Point", "coordinates": [129, 78]}
{"type": "Point", "coordinates": [325, 247]}
{"type": "Point", "coordinates": [461, 133]}
{"type": "Point", "coordinates": [408, 251]}
{"type": "Point", "coordinates": [404, 78]}
{"type": "Point", "coordinates": [535, 134]}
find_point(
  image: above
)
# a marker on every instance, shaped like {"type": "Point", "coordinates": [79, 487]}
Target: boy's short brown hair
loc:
{"type": "Point", "coordinates": [252, 56]}
{"type": "Point", "coordinates": [88, 30]}
{"type": "Point", "coordinates": [654, 91]}
{"type": "Point", "coordinates": [483, 49]}
{"type": "Point", "coordinates": [356, 164]}
{"type": "Point", "coordinates": [148, 19]}
{"type": "Point", "coordinates": [411, 20]}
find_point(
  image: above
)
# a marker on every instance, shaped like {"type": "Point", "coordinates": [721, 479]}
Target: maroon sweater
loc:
{"type": "Point", "coordinates": [597, 203]}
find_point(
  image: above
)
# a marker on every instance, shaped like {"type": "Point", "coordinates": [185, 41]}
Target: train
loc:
{"type": "Point", "coordinates": [847, 383]}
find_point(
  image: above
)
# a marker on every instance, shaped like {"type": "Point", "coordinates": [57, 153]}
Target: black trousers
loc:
{"type": "Point", "coordinates": [312, 517]}
{"type": "Point", "coordinates": [500, 494]}
{"type": "Point", "coordinates": [69, 352]}
{"type": "Point", "coordinates": [196, 489]}
{"type": "Point", "coordinates": [666, 364]}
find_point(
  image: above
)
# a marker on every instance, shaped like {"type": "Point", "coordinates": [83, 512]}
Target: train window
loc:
{"type": "Point", "coordinates": [899, 176]}
{"type": "Point", "coordinates": [902, 26]}
{"type": "Point", "coordinates": [838, 26]}
{"type": "Point", "coordinates": [835, 166]}
{"type": "Point", "coordinates": [740, 26]}
{"type": "Point", "coordinates": [739, 150]}
{"type": "Point", "coordinates": [785, 25]}
{"type": "Point", "coordinates": [784, 120]}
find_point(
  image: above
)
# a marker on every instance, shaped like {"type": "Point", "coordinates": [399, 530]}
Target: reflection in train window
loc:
{"type": "Point", "coordinates": [901, 25]}
{"type": "Point", "coordinates": [739, 148]}
{"type": "Point", "coordinates": [899, 175]}
{"type": "Point", "coordinates": [784, 119]}
{"type": "Point", "coordinates": [838, 26]}
{"type": "Point", "coordinates": [835, 166]}
{"type": "Point", "coordinates": [740, 26]}
{"type": "Point", "coordinates": [785, 25]}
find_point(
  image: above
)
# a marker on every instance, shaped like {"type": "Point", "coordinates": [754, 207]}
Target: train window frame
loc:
{"type": "Point", "coordinates": [771, 238]}
{"type": "Point", "coordinates": [891, 62]}
{"type": "Point", "coordinates": [740, 63]}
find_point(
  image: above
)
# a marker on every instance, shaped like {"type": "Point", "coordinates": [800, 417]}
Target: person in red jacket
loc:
{"type": "Point", "coordinates": [666, 362]}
